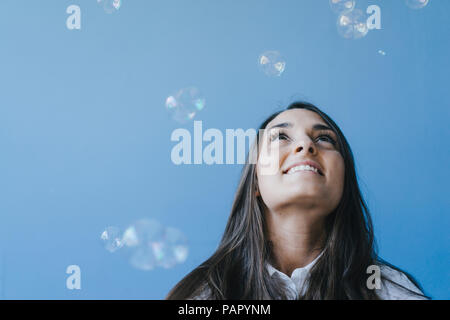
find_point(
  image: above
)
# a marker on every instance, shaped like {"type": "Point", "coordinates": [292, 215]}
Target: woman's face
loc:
{"type": "Point", "coordinates": [300, 135]}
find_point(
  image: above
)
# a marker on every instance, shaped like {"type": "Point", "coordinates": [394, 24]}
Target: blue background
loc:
{"type": "Point", "coordinates": [85, 137]}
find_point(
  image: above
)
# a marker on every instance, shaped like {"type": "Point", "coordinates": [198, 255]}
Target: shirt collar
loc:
{"type": "Point", "coordinates": [308, 267]}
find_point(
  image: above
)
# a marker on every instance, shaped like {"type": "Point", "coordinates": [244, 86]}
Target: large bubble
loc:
{"type": "Point", "coordinates": [185, 104]}
{"type": "Point", "coordinates": [352, 25]}
{"type": "Point", "coordinates": [341, 6]}
{"type": "Point", "coordinates": [172, 249]}
{"type": "Point", "coordinates": [416, 4]}
{"type": "Point", "coordinates": [272, 63]}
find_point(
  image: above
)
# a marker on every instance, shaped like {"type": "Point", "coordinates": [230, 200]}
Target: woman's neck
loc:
{"type": "Point", "coordinates": [296, 240]}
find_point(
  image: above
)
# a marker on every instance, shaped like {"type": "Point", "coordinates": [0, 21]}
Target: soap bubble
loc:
{"type": "Point", "coordinates": [341, 6]}
{"type": "Point", "coordinates": [142, 233]}
{"type": "Point", "coordinates": [153, 245]}
{"type": "Point", "coordinates": [139, 237]}
{"type": "Point", "coordinates": [110, 6]}
{"type": "Point", "coordinates": [271, 63]}
{"type": "Point", "coordinates": [112, 239]}
{"type": "Point", "coordinates": [185, 104]}
{"type": "Point", "coordinates": [172, 249]}
{"type": "Point", "coordinates": [381, 52]}
{"type": "Point", "coordinates": [416, 4]}
{"type": "Point", "coordinates": [143, 258]}
{"type": "Point", "coordinates": [352, 25]}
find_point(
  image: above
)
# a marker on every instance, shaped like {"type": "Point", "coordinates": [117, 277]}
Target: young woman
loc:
{"type": "Point", "coordinates": [301, 232]}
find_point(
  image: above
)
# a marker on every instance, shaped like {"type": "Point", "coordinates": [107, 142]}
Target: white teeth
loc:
{"type": "Point", "coordinates": [302, 168]}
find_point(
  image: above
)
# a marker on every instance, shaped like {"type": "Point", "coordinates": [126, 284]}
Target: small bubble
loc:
{"type": "Point", "coordinates": [185, 104]}
{"type": "Point", "coordinates": [110, 6]}
{"type": "Point", "coordinates": [416, 4]}
{"type": "Point", "coordinates": [341, 6]}
{"type": "Point", "coordinates": [352, 25]}
{"type": "Point", "coordinates": [272, 63]}
{"type": "Point", "coordinates": [381, 52]}
{"type": "Point", "coordinates": [111, 238]}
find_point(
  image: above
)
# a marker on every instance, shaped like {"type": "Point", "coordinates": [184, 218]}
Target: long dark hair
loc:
{"type": "Point", "coordinates": [236, 270]}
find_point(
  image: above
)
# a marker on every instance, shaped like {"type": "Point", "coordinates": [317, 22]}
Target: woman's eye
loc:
{"type": "Point", "coordinates": [327, 138]}
{"type": "Point", "coordinates": [278, 135]}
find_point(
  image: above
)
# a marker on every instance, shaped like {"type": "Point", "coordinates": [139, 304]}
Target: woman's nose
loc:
{"type": "Point", "coordinates": [305, 146]}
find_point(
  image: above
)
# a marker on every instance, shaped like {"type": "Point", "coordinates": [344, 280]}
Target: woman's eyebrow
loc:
{"type": "Point", "coordinates": [282, 125]}
{"type": "Point", "coordinates": [317, 126]}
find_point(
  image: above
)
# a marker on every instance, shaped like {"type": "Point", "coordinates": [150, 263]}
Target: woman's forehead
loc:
{"type": "Point", "coordinates": [297, 117]}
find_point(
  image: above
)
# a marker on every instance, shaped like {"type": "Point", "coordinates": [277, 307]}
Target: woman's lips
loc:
{"type": "Point", "coordinates": [308, 163]}
{"type": "Point", "coordinates": [303, 171]}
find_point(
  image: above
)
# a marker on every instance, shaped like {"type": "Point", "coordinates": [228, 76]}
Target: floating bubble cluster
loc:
{"type": "Point", "coordinates": [352, 25]}
{"type": "Point", "coordinates": [150, 244]}
{"type": "Point", "coordinates": [272, 63]}
{"type": "Point", "coordinates": [341, 6]}
{"type": "Point", "coordinates": [416, 4]}
{"type": "Point", "coordinates": [110, 6]}
{"type": "Point", "coordinates": [381, 52]}
{"type": "Point", "coordinates": [185, 104]}
{"type": "Point", "coordinates": [112, 239]}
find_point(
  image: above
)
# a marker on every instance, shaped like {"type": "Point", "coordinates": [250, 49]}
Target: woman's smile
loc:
{"type": "Point", "coordinates": [305, 165]}
{"type": "Point", "coordinates": [302, 169]}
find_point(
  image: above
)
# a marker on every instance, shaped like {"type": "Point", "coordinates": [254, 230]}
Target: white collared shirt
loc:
{"type": "Point", "coordinates": [297, 283]}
